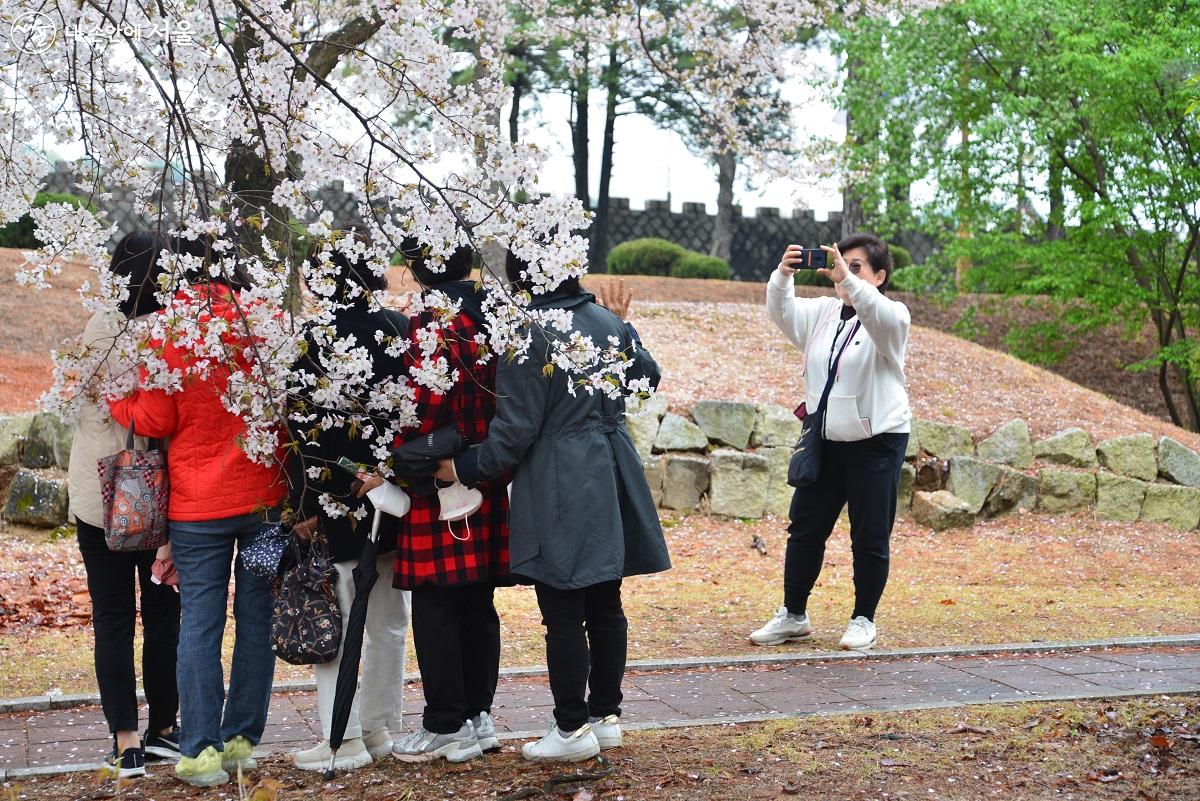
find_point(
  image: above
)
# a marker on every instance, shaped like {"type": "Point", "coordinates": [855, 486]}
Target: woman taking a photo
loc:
{"type": "Point", "coordinates": [862, 335]}
{"type": "Point", "coordinates": [113, 576]}
{"type": "Point", "coordinates": [581, 519]}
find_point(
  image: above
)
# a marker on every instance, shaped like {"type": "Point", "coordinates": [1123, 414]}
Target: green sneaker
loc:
{"type": "Point", "coordinates": [202, 771]}
{"type": "Point", "coordinates": [238, 753]}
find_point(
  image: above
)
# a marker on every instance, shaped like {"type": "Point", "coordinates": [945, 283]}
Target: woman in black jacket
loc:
{"type": "Point", "coordinates": [582, 518]}
{"type": "Point", "coordinates": [318, 489]}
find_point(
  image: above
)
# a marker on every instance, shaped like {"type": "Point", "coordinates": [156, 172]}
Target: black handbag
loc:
{"type": "Point", "coordinates": [805, 464]}
{"type": "Point", "coordinates": [306, 624]}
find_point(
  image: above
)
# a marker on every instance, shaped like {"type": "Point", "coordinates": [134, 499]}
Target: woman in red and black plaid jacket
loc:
{"type": "Point", "coordinates": [453, 568]}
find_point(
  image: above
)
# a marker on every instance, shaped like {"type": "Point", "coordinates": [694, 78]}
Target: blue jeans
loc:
{"type": "Point", "coordinates": [203, 552]}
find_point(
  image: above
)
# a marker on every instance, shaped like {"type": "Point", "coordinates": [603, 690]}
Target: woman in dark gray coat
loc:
{"type": "Point", "coordinates": [581, 518]}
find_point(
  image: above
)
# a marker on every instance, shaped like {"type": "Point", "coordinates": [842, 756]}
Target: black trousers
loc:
{"type": "Point", "coordinates": [586, 642]}
{"type": "Point", "coordinates": [111, 580]}
{"type": "Point", "coordinates": [865, 476]}
{"type": "Point", "coordinates": [456, 634]}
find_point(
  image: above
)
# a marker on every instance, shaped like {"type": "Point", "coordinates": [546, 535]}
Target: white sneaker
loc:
{"type": "Point", "coordinates": [577, 746]}
{"type": "Point", "coordinates": [425, 746]}
{"type": "Point", "coordinates": [859, 636]}
{"type": "Point", "coordinates": [607, 731]}
{"type": "Point", "coordinates": [782, 628]}
{"type": "Point", "coordinates": [378, 743]}
{"type": "Point", "coordinates": [353, 754]}
{"type": "Point", "coordinates": [485, 732]}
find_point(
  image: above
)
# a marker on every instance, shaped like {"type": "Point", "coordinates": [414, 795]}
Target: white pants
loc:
{"type": "Point", "coordinates": [381, 681]}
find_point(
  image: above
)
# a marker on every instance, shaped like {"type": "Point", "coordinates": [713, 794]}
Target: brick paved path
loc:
{"type": "Point", "coordinates": [70, 739]}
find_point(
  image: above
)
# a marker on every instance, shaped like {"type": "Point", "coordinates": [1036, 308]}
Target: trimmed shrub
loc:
{"type": "Point", "coordinates": [19, 234]}
{"type": "Point", "coordinates": [649, 256]}
{"type": "Point", "coordinates": [700, 265]}
{"type": "Point", "coordinates": [900, 257]}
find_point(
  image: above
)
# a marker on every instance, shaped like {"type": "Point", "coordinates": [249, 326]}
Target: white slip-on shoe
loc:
{"type": "Point", "coordinates": [353, 754]}
{"type": "Point", "coordinates": [607, 731]}
{"type": "Point", "coordinates": [426, 746]}
{"type": "Point", "coordinates": [485, 732]}
{"type": "Point", "coordinates": [860, 635]}
{"type": "Point", "coordinates": [577, 746]}
{"type": "Point", "coordinates": [378, 743]}
{"type": "Point", "coordinates": [782, 628]}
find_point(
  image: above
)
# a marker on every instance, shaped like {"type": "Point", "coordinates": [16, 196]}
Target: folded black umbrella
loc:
{"type": "Point", "coordinates": [420, 457]}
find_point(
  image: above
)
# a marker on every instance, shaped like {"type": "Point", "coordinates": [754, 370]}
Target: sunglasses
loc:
{"type": "Point", "coordinates": [855, 266]}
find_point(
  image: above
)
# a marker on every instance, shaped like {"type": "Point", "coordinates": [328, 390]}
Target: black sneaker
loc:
{"type": "Point", "coordinates": [133, 763]}
{"type": "Point", "coordinates": [161, 746]}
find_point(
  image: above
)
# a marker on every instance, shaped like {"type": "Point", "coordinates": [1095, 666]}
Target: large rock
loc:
{"type": "Point", "coordinates": [971, 481]}
{"type": "Point", "coordinates": [679, 434]}
{"type": "Point", "coordinates": [1009, 444]}
{"type": "Point", "coordinates": [1133, 456]}
{"type": "Point", "coordinates": [912, 449]}
{"type": "Point", "coordinates": [779, 492]}
{"type": "Point", "coordinates": [13, 431]}
{"type": "Point", "coordinates": [36, 500]}
{"type": "Point", "coordinates": [48, 443]}
{"type": "Point", "coordinates": [1014, 492]}
{"type": "Point", "coordinates": [941, 510]}
{"type": "Point", "coordinates": [726, 422]}
{"type": "Point", "coordinates": [1178, 507]}
{"type": "Point", "coordinates": [653, 468]}
{"type": "Point", "coordinates": [1072, 447]}
{"type": "Point", "coordinates": [775, 427]}
{"type": "Point", "coordinates": [1119, 498]}
{"type": "Point", "coordinates": [908, 477]}
{"type": "Point", "coordinates": [739, 484]}
{"type": "Point", "coordinates": [943, 440]}
{"type": "Point", "coordinates": [1178, 463]}
{"type": "Point", "coordinates": [685, 479]}
{"type": "Point", "coordinates": [1064, 490]}
{"type": "Point", "coordinates": [642, 418]}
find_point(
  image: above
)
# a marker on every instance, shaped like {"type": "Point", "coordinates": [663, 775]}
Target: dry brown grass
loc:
{"type": "Point", "coordinates": [1136, 749]}
{"type": "Point", "coordinates": [1020, 579]}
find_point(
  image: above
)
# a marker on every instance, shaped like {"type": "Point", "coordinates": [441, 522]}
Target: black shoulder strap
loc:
{"type": "Point", "coordinates": [834, 368]}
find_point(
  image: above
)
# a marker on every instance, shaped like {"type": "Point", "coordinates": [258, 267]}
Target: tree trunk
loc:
{"type": "Point", "coordinates": [722, 241]}
{"type": "Point", "coordinates": [1054, 185]}
{"type": "Point", "coordinates": [514, 113]}
{"type": "Point", "coordinates": [899, 188]}
{"type": "Point", "coordinates": [598, 250]}
{"type": "Point", "coordinates": [579, 135]}
{"type": "Point", "coordinates": [962, 264]}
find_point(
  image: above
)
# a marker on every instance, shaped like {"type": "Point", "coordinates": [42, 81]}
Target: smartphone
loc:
{"type": "Point", "coordinates": [349, 465]}
{"type": "Point", "coordinates": [812, 259]}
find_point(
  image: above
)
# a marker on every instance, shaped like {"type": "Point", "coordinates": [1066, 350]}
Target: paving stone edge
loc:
{"type": "Point", "coordinates": [42, 703]}
{"type": "Point", "coordinates": [53, 770]}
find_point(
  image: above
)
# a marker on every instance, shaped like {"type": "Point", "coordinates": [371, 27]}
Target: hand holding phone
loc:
{"type": "Point", "coordinates": [797, 257]}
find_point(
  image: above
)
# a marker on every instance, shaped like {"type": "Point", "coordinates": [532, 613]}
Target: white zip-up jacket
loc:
{"type": "Point", "coordinates": [868, 395]}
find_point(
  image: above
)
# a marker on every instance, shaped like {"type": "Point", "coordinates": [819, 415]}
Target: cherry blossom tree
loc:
{"type": "Point", "coordinates": [253, 106]}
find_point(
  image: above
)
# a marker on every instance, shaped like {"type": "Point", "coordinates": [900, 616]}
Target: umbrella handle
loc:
{"type": "Point", "coordinates": [375, 525]}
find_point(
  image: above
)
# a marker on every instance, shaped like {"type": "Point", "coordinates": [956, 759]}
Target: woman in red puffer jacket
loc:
{"type": "Point", "coordinates": [219, 500]}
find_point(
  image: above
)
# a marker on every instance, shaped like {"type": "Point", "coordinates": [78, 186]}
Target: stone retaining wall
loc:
{"type": "Point", "coordinates": [729, 458]}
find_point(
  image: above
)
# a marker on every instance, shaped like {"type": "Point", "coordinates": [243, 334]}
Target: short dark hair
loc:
{"type": "Point", "coordinates": [136, 256]}
{"type": "Point", "coordinates": [516, 270]}
{"type": "Point", "coordinates": [357, 273]}
{"type": "Point", "coordinates": [879, 256]}
{"type": "Point", "coordinates": [455, 268]}
{"type": "Point", "coordinates": [202, 248]}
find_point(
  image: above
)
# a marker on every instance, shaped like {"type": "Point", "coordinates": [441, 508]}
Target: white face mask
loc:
{"type": "Point", "coordinates": [458, 502]}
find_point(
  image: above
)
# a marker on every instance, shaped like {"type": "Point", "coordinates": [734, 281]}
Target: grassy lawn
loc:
{"type": "Point", "coordinates": [1136, 749]}
{"type": "Point", "coordinates": [1024, 578]}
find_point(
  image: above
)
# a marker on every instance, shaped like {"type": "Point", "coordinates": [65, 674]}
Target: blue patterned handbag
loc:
{"type": "Point", "coordinates": [263, 555]}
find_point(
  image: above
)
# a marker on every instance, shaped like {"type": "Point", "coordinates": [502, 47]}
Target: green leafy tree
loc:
{"type": "Point", "coordinates": [1058, 135]}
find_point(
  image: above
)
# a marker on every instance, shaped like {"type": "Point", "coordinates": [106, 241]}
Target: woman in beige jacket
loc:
{"type": "Point", "coordinates": [113, 575]}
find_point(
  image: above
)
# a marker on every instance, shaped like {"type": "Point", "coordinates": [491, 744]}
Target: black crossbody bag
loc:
{"type": "Point", "coordinates": [805, 464]}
